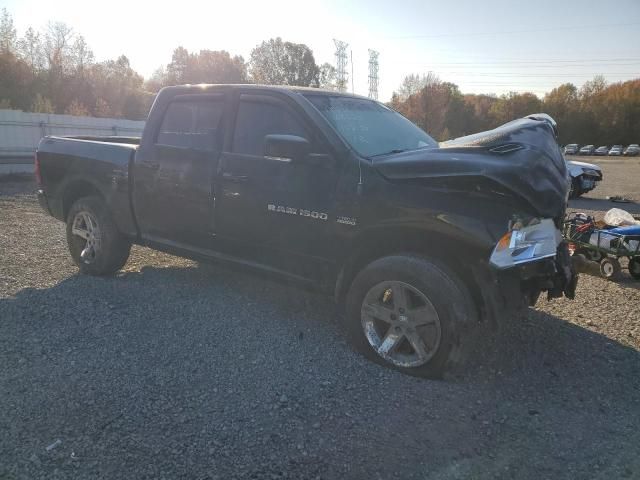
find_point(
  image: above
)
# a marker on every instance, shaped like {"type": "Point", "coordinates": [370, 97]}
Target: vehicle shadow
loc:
{"type": "Point", "coordinates": [162, 366]}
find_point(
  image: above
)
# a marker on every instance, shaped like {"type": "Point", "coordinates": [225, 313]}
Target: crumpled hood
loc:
{"type": "Point", "coordinates": [584, 164]}
{"type": "Point", "coordinates": [522, 156]}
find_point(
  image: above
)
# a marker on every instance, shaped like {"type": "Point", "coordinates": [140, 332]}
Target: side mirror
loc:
{"type": "Point", "coordinates": [286, 148]}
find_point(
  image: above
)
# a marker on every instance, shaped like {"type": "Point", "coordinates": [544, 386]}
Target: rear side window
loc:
{"type": "Point", "coordinates": [258, 118]}
{"type": "Point", "coordinates": [192, 124]}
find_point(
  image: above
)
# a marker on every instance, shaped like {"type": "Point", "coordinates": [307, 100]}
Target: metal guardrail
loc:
{"type": "Point", "coordinates": [20, 133]}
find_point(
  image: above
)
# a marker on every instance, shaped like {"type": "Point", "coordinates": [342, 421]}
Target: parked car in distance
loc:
{"type": "Point", "coordinates": [602, 150]}
{"type": "Point", "coordinates": [417, 240]}
{"type": "Point", "coordinates": [616, 151]}
{"type": "Point", "coordinates": [584, 177]}
{"type": "Point", "coordinates": [632, 150]}
{"type": "Point", "coordinates": [587, 150]}
{"type": "Point", "coordinates": [571, 149]}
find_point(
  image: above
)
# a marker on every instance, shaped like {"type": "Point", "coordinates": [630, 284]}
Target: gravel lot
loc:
{"type": "Point", "coordinates": [174, 369]}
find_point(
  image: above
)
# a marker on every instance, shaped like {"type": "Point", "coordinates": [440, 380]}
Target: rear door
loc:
{"type": "Point", "coordinates": [273, 211]}
{"type": "Point", "coordinates": [174, 180]}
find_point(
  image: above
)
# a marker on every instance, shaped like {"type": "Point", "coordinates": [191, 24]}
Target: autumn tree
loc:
{"type": "Point", "coordinates": [15, 78]}
{"type": "Point", "coordinates": [76, 108]}
{"type": "Point", "coordinates": [41, 105]}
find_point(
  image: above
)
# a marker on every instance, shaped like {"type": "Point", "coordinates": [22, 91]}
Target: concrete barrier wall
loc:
{"type": "Point", "coordinates": [20, 133]}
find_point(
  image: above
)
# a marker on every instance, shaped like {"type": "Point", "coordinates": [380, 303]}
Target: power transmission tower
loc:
{"type": "Point", "coordinates": [341, 65]}
{"type": "Point", "coordinates": [373, 74]}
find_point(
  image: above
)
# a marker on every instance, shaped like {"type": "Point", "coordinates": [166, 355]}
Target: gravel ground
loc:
{"type": "Point", "coordinates": [174, 369]}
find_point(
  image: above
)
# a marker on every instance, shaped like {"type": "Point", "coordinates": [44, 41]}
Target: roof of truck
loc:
{"type": "Point", "coordinates": [251, 86]}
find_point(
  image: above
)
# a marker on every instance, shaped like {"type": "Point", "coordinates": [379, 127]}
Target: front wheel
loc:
{"type": "Point", "coordinates": [409, 313]}
{"type": "Point", "coordinates": [95, 244]}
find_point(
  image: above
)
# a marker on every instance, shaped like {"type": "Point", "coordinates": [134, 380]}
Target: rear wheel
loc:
{"type": "Point", "coordinates": [95, 243]}
{"type": "Point", "coordinates": [409, 313]}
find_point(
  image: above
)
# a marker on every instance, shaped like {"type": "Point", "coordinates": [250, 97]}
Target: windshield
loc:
{"type": "Point", "coordinates": [369, 127]}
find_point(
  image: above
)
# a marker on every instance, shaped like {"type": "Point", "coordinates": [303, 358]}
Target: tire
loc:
{"type": "Point", "coordinates": [576, 186]}
{"type": "Point", "coordinates": [634, 267]}
{"type": "Point", "coordinates": [610, 268]}
{"type": "Point", "coordinates": [106, 250]}
{"type": "Point", "coordinates": [448, 306]}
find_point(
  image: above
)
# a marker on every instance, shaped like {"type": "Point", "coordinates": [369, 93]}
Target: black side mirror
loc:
{"type": "Point", "coordinates": [286, 148]}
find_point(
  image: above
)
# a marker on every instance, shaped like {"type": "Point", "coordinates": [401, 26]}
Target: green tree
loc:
{"type": "Point", "coordinates": [7, 32]}
{"type": "Point", "coordinates": [514, 105]}
{"type": "Point", "coordinates": [413, 83]}
{"type": "Point", "coordinates": [177, 69]}
{"type": "Point", "coordinates": [327, 78]}
{"type": "Point", "coordinates": [275, 62]}
{"type": "Point", "coordinates": [562, 104]}
{"type": "Point", "coordinates": [30, 50]}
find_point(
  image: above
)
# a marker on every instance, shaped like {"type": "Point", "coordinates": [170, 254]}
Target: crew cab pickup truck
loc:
{"type": "Point", "coordinates": [417, 240]}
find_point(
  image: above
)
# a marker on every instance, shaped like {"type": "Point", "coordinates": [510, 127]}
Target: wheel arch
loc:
{"type": "Point", "coordinates": [445, 248]}
{"type": "Point", "coordinates": [75, 190]}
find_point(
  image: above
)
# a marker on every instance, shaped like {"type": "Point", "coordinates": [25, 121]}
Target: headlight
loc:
{"type": "Point", "coordinates": [590, 171]}
{"type": "Point", "coordinates": [539, 239]}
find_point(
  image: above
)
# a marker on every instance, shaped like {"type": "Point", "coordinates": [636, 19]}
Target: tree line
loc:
{"type": "Point", "coordinates": [54, 71]}
{"type": "Point", "coordinates": [598, 113]}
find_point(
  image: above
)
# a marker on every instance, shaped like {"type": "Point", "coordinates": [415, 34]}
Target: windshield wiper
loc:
{"type": "Point", "coordinates": [395, 150]}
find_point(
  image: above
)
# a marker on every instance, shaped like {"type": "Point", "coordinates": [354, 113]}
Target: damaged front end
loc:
{"type": "Point", "coordinates": [517, 166]}
{"type": "Point", "coordinates": [536, 250]}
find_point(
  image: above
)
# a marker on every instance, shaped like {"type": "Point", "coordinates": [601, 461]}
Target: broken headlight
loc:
{"type": "Point", "coordinates": [590, 171]}
{"type": "Point", "coordinates": [538, 239]}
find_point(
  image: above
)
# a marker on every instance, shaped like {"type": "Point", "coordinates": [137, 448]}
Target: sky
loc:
{"type": "Point", "coordinates": [484, 46]}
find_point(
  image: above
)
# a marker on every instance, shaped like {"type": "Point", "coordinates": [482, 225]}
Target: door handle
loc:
{"type": "Point", "coordinates": [234, 178]}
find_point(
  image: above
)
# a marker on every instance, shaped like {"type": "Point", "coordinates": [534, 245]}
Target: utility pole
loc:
{"type": "Point", "coordinates": [341, 65]}
{"type": "Point", "coordinates": [373, 74]}
{"type": "Point", "coordinates": [352, 89]}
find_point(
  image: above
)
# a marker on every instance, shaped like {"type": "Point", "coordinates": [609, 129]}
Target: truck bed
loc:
{"type": "Point", "coordinates": [99, 165]}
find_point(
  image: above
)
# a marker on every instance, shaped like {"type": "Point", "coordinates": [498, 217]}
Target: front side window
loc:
{"type": "Point", "coordinates": [370, 128]}
{"type": "Point", "coordinates": [191, 124]}
{"type": "Point", "coordinates": [259, 117]}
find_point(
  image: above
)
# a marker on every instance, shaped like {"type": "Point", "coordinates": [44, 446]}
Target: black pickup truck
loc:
{"type": "Point", "coordinates": [417, 240]}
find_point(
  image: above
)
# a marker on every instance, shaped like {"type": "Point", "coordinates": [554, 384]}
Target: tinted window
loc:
{"type": "Point", "coordinates": [258, 118]}
{"type": "Point", "coordinates": [191, 124]}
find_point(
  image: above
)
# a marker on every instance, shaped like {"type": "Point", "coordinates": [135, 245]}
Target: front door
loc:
{"type": "Point", "coordinates": [268, 209]}
{"type": "Point", "coordinates": [174, 180]}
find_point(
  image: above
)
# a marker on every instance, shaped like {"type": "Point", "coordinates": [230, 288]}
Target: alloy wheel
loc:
{"type": "Point", "coordinates": [401, 324]}
{"type": "Point", "coordinates": [85, 226]}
